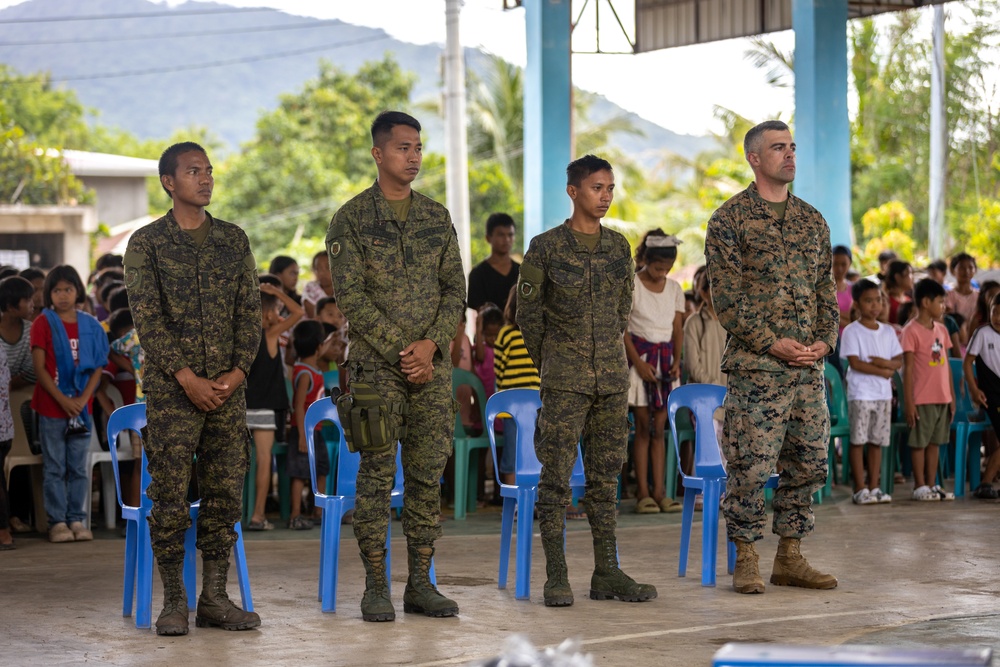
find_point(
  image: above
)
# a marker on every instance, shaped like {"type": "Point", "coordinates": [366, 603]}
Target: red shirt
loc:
{"type": "Point", "coordinates": [41, 336]}
{"type": "Point", "coordinates": [316, 390]}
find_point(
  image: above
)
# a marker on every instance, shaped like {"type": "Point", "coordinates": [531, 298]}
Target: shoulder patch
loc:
{"type": "Point", "coordinates": [529, 281]}
{"type": "Point", "coordinates": [134, 258]}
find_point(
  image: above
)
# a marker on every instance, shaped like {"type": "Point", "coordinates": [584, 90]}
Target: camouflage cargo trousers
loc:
{"type": "Point", "coordinates": [603, 422]}
{"type": "Point", "coordinates": [774, 419]}
{"type": "Point", "coordinates": [176, 432]}
{"type": "Point", "coordinates": [426, 446]}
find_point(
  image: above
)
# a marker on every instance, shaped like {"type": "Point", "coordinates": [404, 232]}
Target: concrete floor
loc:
{"type": "Point", "coordinates": [911, 574]}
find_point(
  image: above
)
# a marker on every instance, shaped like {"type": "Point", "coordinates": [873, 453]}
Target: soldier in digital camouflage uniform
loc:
{"type": "Point", "coordinates": [575, 295]}
{"type": "Point", "coordinates": [192, 287]}
{"type": "Point", "coordinates": [769, 257]}
{"type": "Point", "coordinates": [399, 280]}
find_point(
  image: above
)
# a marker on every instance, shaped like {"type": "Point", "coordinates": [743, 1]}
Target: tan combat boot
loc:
{"type": "Point", "coordinates": [746, 576]}
{"type": "Point", "coordinates": [420, 596]}
{"type": "Point", "coordinates": [215, 609]}
{"type": "Point", "coordinates": [376, 605]}
{"type": "Point", "coordinates": [173, 620]}
{"type": "Point", "coordinates": [792, 569]}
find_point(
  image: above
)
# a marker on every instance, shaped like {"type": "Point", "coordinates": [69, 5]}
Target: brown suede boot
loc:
{"type": "Point", "coordinates": [215, 609]}
{"type": "Point", "coordinates": [173, 620]}
{"type": "Point", "coordinates": [746, 576]}
{"type": "Point", "coordinates": [792, 569]}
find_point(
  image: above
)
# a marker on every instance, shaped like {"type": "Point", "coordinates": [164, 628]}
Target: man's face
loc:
{"type": "Point", "coordinates": [399, 158]}
{"type": "Point", "coordinates": [594, 195]}
{"type": "Point", "coordinates": [193, 182]}
{"type": "Point", "coordinates": [776, 159]}
{"type": "Point", "coordinates": [501, 240]}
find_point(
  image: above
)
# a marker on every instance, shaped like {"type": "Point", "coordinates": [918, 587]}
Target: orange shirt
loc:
{"type": "Point", "coordinates": [931, 377]}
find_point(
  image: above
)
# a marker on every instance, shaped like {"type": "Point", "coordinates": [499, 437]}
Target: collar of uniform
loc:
{"type": "Point", "coordinates": [791, 208]}
{"type": "Point", "coordinates": [181, 237]}
{"type": "Point", "coordinates": [418, 205]}
{"type": "Point", "coordinates": [604, 245]}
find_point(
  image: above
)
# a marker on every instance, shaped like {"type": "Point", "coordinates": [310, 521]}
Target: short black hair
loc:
{"type": "Point", "coordinates": [13, 290]}
{"type": "Point", "coordinates": [886, 255]}
{"type": "Point", "coordinates": [62, 273]}
{"type": "Point", "coordinates": [491, 315]}
{"type": "Point", "coordinates": [318, 256]}
{"type": "Point", "coordinates": [385, 121]}
{"type": "Point", "coordinates": [268, 301]}
{"type": "Point", "coordinates": [32, 273]}
{"type": "Point", "coordinates": [581, 168]}
{"type": "Point", "coordinates": [307, 336]}
{"type": "Point", "coordinates": [120, 322]}
{"type": "Point", "coordinates": [8, 271]}
{"type": "Point", "coordinates": [168, 160]}
{"type": "Point", "coordinates": [107, 261]}
{"type": "Point", "coordinates": [959, 258]}
{"type": "Point", "coordinates": [843, 250]}
{"type": "Point", "coordinates": [117, 298]}
{"type": "Point", "coordinates": [896, 268]}
{"type": "Point", "coordinates": [269, 279]}
{"type": "Point", "coordinates": [645, 254]}
{"type": "Point", "coordinates": [114, 275]}
{"type": "Point", "coordinates": [279, 263]}
{"type": "Point", "coordinates": [108, 288]}
{"type": "Point", "coordinates": [498, 220]}
{"type": "Point", "coordinates": [862, 286]}
{"type": "Point", "coordinates": [938, 265]}
{"type": "Point", "coordinates": [928, 288]}
{"type": "Point", "coordinates": [324, 302]}
{"type": "Point", "coordinates": [995, 301]}
{"type": "Point", "coordinates": [755, 135]}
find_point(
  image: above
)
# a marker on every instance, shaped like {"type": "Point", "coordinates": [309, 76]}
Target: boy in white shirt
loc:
{"type": "Point", "coordinates": [874, 354]}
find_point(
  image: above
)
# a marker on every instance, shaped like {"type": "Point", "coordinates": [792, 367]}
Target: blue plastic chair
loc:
{"type": "Point", "coordinates": [521, 405]}
{"type": "Point", "coordinates": [467, 467]}
{"type": "Point", "coordinates": [336, 505]}
{"type": "Point", "coordinates": [966, 457]}
{"type": "Point", "coordinates": [138, 581]}
{"type": "Point", "coordinates": [709, 476]}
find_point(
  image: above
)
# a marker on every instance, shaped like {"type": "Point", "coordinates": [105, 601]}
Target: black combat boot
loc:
{"type": "Point", "coordinates": [215, 609]}
{"type": "Point", "coordinates": [609, 582]}
{"type": "Point", "coordinates": [376, 605]}
{"type": "Point", "coordinates": [420, 596]}
{"type": "Point", "coordinates": [551, 523]}
{"type": "Point", "coordinates": [173, 620]}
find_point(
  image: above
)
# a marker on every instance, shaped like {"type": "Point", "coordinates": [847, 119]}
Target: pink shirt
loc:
{"type": "Point", "coordinates": [844, 301]}
{"type": "Point", "coordinates": [963, 304]}
{"type": "Point", "coordinates": [931, 376]}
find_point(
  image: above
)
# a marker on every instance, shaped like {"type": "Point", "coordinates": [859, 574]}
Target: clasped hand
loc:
{"type": "Point", "coordinates": [417, 361]}
{"type": "Point", "coordinates": [797, 354]}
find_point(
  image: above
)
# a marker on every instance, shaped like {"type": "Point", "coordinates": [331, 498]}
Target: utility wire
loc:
{"type": "Point", "coordinates": [202, 33]}
{"type": "Point", "coordinates": [136, 15]}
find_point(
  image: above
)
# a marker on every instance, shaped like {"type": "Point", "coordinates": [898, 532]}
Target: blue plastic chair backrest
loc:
{"type": "Point", "coordinates": [522, 406]}
{"type": "Point", "coordinates": [127, 418]}
{"type": "Point", "coordinates": [702, 400]}
{"type": "Point", "coordinates": [963, 403]}
{"type": "Point", "coordinates": [461, 377]}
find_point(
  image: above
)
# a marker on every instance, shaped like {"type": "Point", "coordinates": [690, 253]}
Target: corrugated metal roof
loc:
{"type": "Point", "coordinates": [84, 163]}
{"type": "Point", "coordinates": [663, 24]}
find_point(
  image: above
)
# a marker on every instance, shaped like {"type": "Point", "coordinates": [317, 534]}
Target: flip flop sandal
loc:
{"type": "Point", "coordinates": [670, 506]}
{"type": "Point", "coordinates": [10, 546]}
{"type": "Point", "coordinates": [647, 506]}
{"type": "Point", "coordinates": [260, 525]}
{"type": "Point", "coordinates": [301, 522]}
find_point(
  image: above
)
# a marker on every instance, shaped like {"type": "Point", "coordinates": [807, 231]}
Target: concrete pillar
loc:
{"type": "Point", "coordinates": [547, 115]}
{"type": "Point", "coordinates": [822, 129]}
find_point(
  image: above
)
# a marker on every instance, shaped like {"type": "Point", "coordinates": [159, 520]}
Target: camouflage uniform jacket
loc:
{"type": "Point", "coordinates": [396, 282]}
{"type": "Point", "coordinates": [770, 279]}
{"type": "Point", "coordinates": [573, 306]}
{"type": "Point", "coordinates": [193, 307]}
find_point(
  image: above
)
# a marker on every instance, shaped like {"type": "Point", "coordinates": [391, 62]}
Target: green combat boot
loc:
{"type": "Point", "coordinates": [557, 591]}
{"type": "Point", "coordinates": [376, 605]}
{"type": "Point", "coordinates": [792, 569]}
{"type": "Point", "coordinates": [420, 596]}
{"type": "Point", "coordinates": [609, 582]}
{"type": "Point", "coordinates": [173, 620]}
{"type": "Point", "coordinates": [746, 574]}
{"type": "Point", "coordinates": [215, 609]}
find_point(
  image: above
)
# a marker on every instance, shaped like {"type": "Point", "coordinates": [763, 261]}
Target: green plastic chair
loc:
{"type": "Point", "coordinates": [840, 427]}
{"type": "Point", "coordinates": [467, 467]}
{"type": "Point", "coordinates": [898, 429]}
{"type": "Point", "coordinates": [967, 456]}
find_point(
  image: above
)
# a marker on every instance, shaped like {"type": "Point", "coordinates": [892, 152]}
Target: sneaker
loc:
{"type": "Point", "coordinates": [864, 497]}
{"type": "Point", "coordinates": [60, 532]}
{"type": "Point", "coordinates": [925, 493]}
{"type": "Point", "coordinates": [80, 532]}
{"type": "Point", "coordinates": [942, 494]}
{"type": "Point", "coordinates": [986, 492]}
{"type": "Point", "coordinates": [879, 496]}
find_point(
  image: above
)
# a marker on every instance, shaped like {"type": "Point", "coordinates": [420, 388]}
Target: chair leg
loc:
{"type": "Point", "coordinates": [975, 464]}
{"type": "Point", "coordinates": [961, 458]}
{"type": "Point", "coordinates": [730, 556]}
{"type": "Point", "coordinates": [242, 574]}
{"type": "Point", "coordinates": [670, 479]}
{"type": "Point", "coordinates": [506, 534]}
{"type": "Point", "coordinates": [687, 516]}
{"type": "Point", "coordinates": [191, 559]}
{"type": "Point", "coordinates": [461, 477]}
{"type": "Point", "coordinates": [522, 565]}
{"type": "Point", "coordinates": [250, 487]}
{"type": "Point", "coordinates": [108, 494]}
{"type": "Point", "coordinates": [128, 586]}
{"type": "Point", "coordinates": [144, 576]}
{"type": "Point", "coordinates": [710, 531]}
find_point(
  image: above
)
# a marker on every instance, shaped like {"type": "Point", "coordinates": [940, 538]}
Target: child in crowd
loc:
{"type": "Point", "coordinates": [987, 291]}
{"type": "Point", "coordinates": [898, 284]}
{"type": "Point", "coordinates": [69, 348]}
{"type": "Point", "coordinates": [266, 395]}
{"type": "Point", "coordinates": [308, 338]}
{"type": "Point", "coordinates": [930, 401]}
{"type": "Point", "coordinates": [17, 310]}
{"type": "Point", "coordinates": [842, 259]}
{"type": "Point", "coordinates": [319, 288]}
{"type": "Point", "coordinates": [461, 358]}
{"type": "Point", "coordinates": [6, 438]}
{"type": "Point", "coordinates": [286, 269]}
{"type": "Point", "coordinates": [488, 325]}
{"type": "Point", "coordinates": [874, 354]}
{"type": "Point", "coordinates": [127, 362]}
{"type": "Point", "coordinates": [653, 341]}
{"type": "Point", "coordinates": [938, 271]}
{"type": "Point", "coordinates": [984, 386]}
{"type": "Point", "coordinates": [36, 277]}
{"type": "Point", "coordinates": [962, 299]}
{"type": "Point", "coordinates": [514, 370]}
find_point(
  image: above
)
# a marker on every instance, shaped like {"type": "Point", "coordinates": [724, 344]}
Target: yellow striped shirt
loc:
{"type": "Point", "coordinates": [514, 368]}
